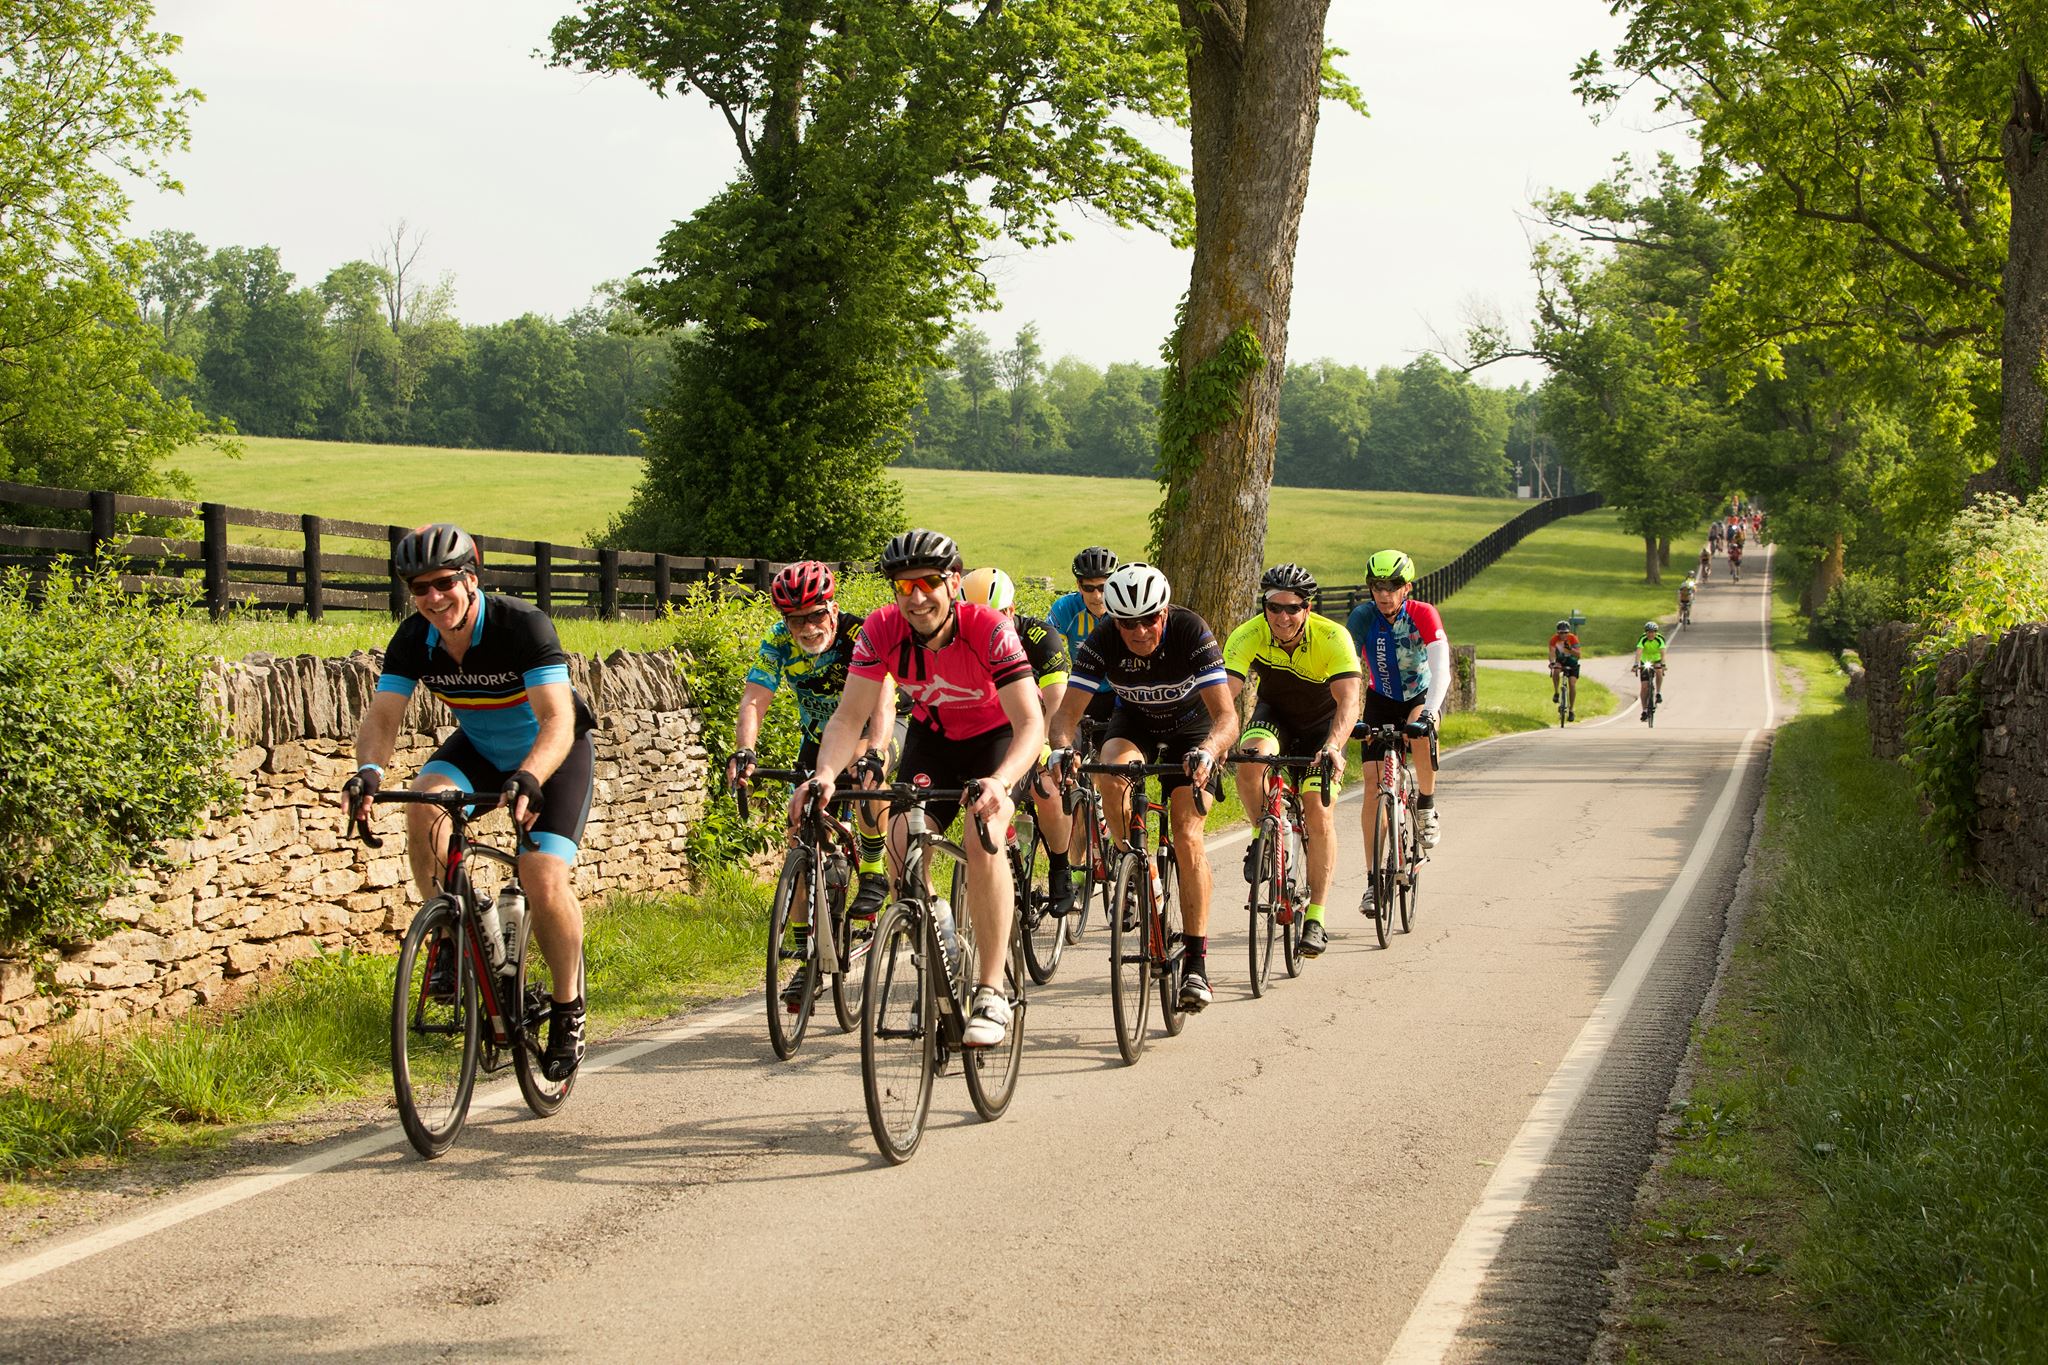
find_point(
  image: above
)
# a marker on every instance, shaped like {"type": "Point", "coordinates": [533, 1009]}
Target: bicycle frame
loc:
{"type": "Point", "coordinates": [818, 835]}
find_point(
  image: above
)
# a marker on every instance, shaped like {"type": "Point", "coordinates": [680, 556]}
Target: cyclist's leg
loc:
{"type": "Point", "coordinates": [545, 875]}
{"type": "Point", "coordinates": [1421, 756]}
{"type": "Point", "coordinates": [1124, 740]}
{"type": "Point", "coordinates": [455, 766]}
{"type": "Point", "coordinates": [1259, 737]}
{"type": "Point", "coordinates": [1319, 834]}
{"type": "Point", "coordinates": [991, 890]}
{"type": "Point", "coordinates": [924, 755]}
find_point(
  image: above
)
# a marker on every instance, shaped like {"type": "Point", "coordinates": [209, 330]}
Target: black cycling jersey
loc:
{"type": "Point", "coordinates": [1165, 685]}
{"type": "Point", "coordinates": [1045, 647]}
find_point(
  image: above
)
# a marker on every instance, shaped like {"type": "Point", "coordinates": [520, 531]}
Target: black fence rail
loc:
{"type": "Point", "coordinates": [311, 578]}
{"type": "Point", "coordinates": [1337, 599]}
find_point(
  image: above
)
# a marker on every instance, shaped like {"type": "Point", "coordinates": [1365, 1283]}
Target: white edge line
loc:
{"type": "Point", "coordinates": [1439, 1315]}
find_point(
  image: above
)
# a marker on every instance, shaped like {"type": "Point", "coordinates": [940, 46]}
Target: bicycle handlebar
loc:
{"type": "Point", "coordinates": [1322, 763]}
{"type": "Point", "coordinates": [1135, 771]}
{"type": "Point", "coordinates": [453, 800]}
{"type": "Point", "coordinates": [901, 795]}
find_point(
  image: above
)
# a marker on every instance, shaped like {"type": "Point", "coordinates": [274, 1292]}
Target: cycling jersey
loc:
{"type": "Point", "coordinates": [512, 647]}
{"type": "Point", "coordinates": [1652, 648]}
{"type": "Point", "coordinates": [1293, 684]}
{"type": "Point", "coordinates": [1567, 644]}
{"type": "Point", "coordinates": [1163, 686]}
{"type": "Point", "coordinates": [1395, 654]}
{"type": "Point", "coordinates": [1684, 593]}
{"type": "Point", "coordinates": [1044, 647]}
{"type": "Point", "coordinates": [1070, 617]}
{"type": "Point", "coordinates": [954, 688]}
{"type": "Point", "coordinates": [816, 679]}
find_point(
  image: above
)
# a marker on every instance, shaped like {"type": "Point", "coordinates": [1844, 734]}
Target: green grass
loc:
{"type": "Point", "coordinates": [321, 1032]}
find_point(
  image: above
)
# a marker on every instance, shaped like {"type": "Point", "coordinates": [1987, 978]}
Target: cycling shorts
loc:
{"type": "Point", "coordinates": [1567, 666]}
{"type": "Point", "coordinates": [1293, 740]}
{"type": "Point", "coordinates": [565, 796]}
{"type": "Point", "coordinates": [948, 763]}
{"type": "Point", "coordinates": [1163, 742]}
{"type": "Point", "coordinates": [1381, 709]}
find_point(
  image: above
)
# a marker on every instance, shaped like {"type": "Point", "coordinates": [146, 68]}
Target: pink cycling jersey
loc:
{"type": "Point", "coordinates": [954, 687]}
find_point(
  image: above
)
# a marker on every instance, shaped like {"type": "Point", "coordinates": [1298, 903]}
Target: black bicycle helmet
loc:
{"type": "Point", "coordinates": [442, 545]}
{"type": "Point", "coordinates": [1288, 578]}
{"type": "Point", "coordinates": [1097, 561]}
{"type": "Point", "coordinates": [919, 550]}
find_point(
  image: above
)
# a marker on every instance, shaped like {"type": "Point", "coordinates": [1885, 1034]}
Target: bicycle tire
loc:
{"type": "Point", "coordinates": [1044, 933]}
{"type": "Point", "coordinates": [992, 1071]}
{"type": "Point", "coordinates": [1130, 968]}
{"type": "Point", "coordinates": [1263, 905]}
{"type": "Point", "coordinates": [1082, 842]}
{"type": "Point", "coordinates": [1172, 963]}
{"type": "Point", "coordinates": [1297, 899]}
{"type": "Point", "coordinates": [432, 1082]}
{"type": "Point", "coordinates": [534, 992]}
{"type": "Point", "coordinates": [792, 891]}
{"type": "Point", "coordinates": [898, 1036]}
{"type": "Point", "coordinates": [1411, 894]}
{"type": "Point", "coordinates": [849, 981]}
{"type": "Point", "coordinates": [1385, 859]}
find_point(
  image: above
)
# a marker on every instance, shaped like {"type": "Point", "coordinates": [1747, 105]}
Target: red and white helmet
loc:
{"type": "Point", "coordinates": [802, 585]}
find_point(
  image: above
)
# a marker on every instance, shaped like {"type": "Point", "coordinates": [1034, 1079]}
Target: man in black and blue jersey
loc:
{"type": "Point", "coordinates": [520, 730]}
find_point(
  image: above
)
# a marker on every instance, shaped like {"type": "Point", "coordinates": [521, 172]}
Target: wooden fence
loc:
{"type": "Point", "coordinates": [309, 579]}
{"type": "Point", "coordinates": [1337, 599]}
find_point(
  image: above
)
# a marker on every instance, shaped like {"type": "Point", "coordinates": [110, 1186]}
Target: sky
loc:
{"type": "Point", "coordinates": [326, 122]}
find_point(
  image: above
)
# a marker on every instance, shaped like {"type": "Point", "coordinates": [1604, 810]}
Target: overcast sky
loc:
{"type": "Point", "coordinates": [326, 121]}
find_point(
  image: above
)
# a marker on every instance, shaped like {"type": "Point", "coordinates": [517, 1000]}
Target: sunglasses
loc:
{"type": "Point", "coordinates": [807, 618]}
{"type": "Point", "coordinates": [420, 587]}
{"type": "Point", "coordinates": [1388, 584]}
{"type": "Point", "coordinates": [1287, 608]}
{"type": "Point", "coordinates": [1092, 589]}
{"type": "Point", "coordinates": [930, 582]}
{"type": "Point", "coordinates": [1138, 623]}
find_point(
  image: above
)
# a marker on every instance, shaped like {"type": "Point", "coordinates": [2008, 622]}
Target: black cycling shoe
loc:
{"type": "Point", "coordinates": [868, 898]}
{"type": "Point", "coordinates": [1314, 938]}
{"type": "Point", "coordinates": [441, 972]}
{"type": "Point", "coordinates": [793, 999]}
{"type": "Point", "coordinates": [1251, 862]}
{"type": "Point", "coordinates": [1060, 888]}
{"type": "Point", "coordinates": [565, 1042]}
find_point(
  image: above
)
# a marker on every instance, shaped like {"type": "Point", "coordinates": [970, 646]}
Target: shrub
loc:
{"type": "Point", "coordinates": [1858, 602]}
{"type": "Point", "coordinates": [107, 743]}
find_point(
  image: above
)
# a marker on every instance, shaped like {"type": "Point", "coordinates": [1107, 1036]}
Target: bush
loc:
{"type": "Point", "coordinates": [1858, 602]}
{"type": "Point", "coordinates": [107, 744]}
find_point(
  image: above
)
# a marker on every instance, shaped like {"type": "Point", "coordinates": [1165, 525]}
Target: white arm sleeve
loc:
{"type": "Point", "coordinates": [1438, 652]}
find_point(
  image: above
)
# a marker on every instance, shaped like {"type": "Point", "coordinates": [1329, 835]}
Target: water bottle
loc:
{"type": "Point", "coordinates": [493, 934]}
{"type": "Point", "coordinates": [1158, 887]}
{"type": "Point", "coordinates": [837, 873]}
{"type": "Point", "coordinates": [949, 936]}
{"type": "Point", "coordinates": [511, 909]}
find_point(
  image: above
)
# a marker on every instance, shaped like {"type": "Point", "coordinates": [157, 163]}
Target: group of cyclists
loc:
{"type": "Point", "coordinates": [993, 703]}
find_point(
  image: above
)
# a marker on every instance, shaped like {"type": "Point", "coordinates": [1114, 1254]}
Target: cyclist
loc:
{"type": "Point", "coordinates": [1715, 533]}
{"type": "Point", "coordinates": [1047, 651]}
{"type": "Point", "coordinates": [1650, 655]}
{"type": "Point", "coordinates": [1308, 670]}
{"type": "Point", "coordinates": [810, 648]}
{"type": "Point", "coordinates": [1706, 564]}
{"type": "Point", "coordinates": [1564, 668]}
{"type": "Point", "coordinates": [1407, 661]}
{"type": "Point", "coordinates": [1685, 592]}
{"type": "Point", "coordinates": [521, 730]}
{"type": "Point", "coordinates": [1162, 665]}
{"type": "Point", "coordinates": [1735, 558]}
{"type": "Point", "coordinates": [1075, 615]}
{"type": "Point", "coordinates": [975, 720]}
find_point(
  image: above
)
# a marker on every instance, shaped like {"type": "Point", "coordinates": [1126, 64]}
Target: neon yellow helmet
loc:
{"type": "Point", "coordinates": [1390, 566]}
{"type": "Point", "coordinates": [990, 587]}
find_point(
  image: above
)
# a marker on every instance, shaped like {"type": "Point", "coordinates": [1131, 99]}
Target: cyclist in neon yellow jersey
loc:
{"type": "Point", "coordinates": [1650, 652]}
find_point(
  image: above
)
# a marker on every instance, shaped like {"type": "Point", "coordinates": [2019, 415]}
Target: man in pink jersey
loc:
{"type": "Point", "coordinates": [976, 719]}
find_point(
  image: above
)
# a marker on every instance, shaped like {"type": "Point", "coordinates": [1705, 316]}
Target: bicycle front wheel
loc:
{"type": "Point", "coordinates": [1170, 951]}
{"type": "Point", "coordinates": [533, 996]}
{"type": "Point", "coordinates": [1386, 864]}
{"type": "Point", "coordinates": [1264, 904]}
{"type": "Point", "coordinates": [435, 1029]}
{"type": "Point", "coordinates": [992, 1071]}
{"type": "Point", "coordinates": [1297, 903]}
{"type": "Point", "coordinates": [1130, 966]}
{"type": "Point", "coordinates": [898, 1032]}
{"type": "Point", "coordinates": [792, 977]}
{"type": "Point", "coordinates": [1044, 933]}
{"type": "Point", "coordinates": [856, 937]}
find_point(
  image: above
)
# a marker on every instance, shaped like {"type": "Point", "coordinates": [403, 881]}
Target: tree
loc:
{"type": "Point", "coordinates": [624, 364]}
{"type": "Point", "coordinates": [526, 383]}
{"type": "Point", "coordinates": [884, 145]}
{"type": "Point", "coordinates": [86, 104]}
{"type": "Point", "coordinates": [261, 365]}
{"type": "Point", "coordinates": [1256, 72]}
{"type": "Point", "coordinates": [174, 282]}
{"type": "Point", "coordinates": [1886, 169]}
{"type": "Point", "coordinates": [1032, 429]}
{"type": "Point", "coordinates": [353, 293]}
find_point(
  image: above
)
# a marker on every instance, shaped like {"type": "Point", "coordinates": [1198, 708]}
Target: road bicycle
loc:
{"type": "Point", "coordinates": [472, 993]}
{"type": "Point", "coordinates": [1685, 611]}
{"type": "Point", "coordinates": [1567, 696]}
{"type": "Point", "coordinates": [1146, 948]}
{"type": "Point", "coordinates": [1397, 852]}
{"type": "Point", "coordinates": [1735, 568]}
{"type": "Point", "coordinates": [810, 894]}
{"type": "Point", "coordinates": [912, 1017]}
{"type": "Point", "coordinates": [1090, 864]}
{"type": "Point", "coordinates": [1041, 924]}
{"type": "Point", "coordinates": [1648, 692]}
{"type": "Point", "coordinates": [1279, 861]}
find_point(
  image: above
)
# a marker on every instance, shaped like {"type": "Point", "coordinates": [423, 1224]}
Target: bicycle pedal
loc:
{"type": "Point", "coordinates": [1284, 915]}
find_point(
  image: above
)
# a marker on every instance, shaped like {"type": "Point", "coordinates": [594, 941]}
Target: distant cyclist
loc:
{"type": "Point", "coordinates": [1706, 564]}
{"type": "Point", "coordinates": [1650, 657]}
{"type": "Point", "coordinates": [1564, 668]}
{"type": "Point", "coordinates": [1735, 559]}
{"type": "Point", "coordinates": [1078, 614]}
{"type": "Point", "coordinates": [1407, 662]}
{"type": "Point", "coordinates": [1050, 666]}
{"type": "Point", "coordinates": [1685, 592]}
{"type": "Point", "coordinates": [1307, 670]}
{"type": "Point", "coordinates": [1715, 534]}
{"type": "Point", "coordinates": [1163, 666]}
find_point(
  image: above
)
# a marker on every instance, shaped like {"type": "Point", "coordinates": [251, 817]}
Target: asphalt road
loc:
{"type": "Point", "coordinates": [1405, 1154]}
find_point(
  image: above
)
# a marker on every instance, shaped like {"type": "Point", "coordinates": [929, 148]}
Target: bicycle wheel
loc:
{"type": "Point", "coordinates": [898, 1055]}
{"type": "Point", "coordinates": [1264, 904]}
{"type": "Point", "coordinates": [1045, 937]}
{"type": "Point", "coordinates": [534, 992]}
{"type": "Point", "coordinates": [1130, 968]}
{"type": "Point", "coordinates": [1386, 862]}
{"type": "Point", "coordinates": [1297, 900]}
{"type": "Point", "coordinates": [1170, 948]}
{"type": "Point", "coordinates": [789, 965]}
{"type": "Point", "coordinates": [1411, 892]}
{"type": "Point", "coordinates": [435, 1029]}
{"type": "Point", "coordinates": [992, 1071]}
{"type": "Point", "coordinates": [856, 937]}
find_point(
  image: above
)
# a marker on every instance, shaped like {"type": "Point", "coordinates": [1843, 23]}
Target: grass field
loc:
{"type": "Point", "coordinates": [1028, 523]}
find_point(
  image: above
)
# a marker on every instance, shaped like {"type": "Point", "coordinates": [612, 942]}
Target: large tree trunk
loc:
{"type": "Point", "coordinates": [1663, 552]}
{"type": "Point", "coordinates": [2025, 345]}
{"type": "Point", "coordinates": [1652, 571]}
{"type": "Point", "coordinates": [1827, 574]}
{"type": "Point", "coordinates": [1254, 81]}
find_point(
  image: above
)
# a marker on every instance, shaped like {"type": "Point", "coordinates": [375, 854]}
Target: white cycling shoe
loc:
{"type": "Point", "coordinates": [1430, 833]}
{"type": "Point", "coordinates": [988, 1022]}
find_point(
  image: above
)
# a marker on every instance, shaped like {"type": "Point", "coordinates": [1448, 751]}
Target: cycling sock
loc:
{"type": "Point", "coordinates": [871, 853]}
{"type": "Point", "coordinates": [1314, 914]}
{"type": "Point", "coordinates": [569, 1007]}
{"type": "Point", "coordinates": [1055, 863]}
{"type": "Point", "coordinates": [1196, 959]}
{"type": "Point", "coordinates": [1425, 802]}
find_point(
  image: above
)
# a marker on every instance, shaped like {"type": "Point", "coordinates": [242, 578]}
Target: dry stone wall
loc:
{"type": "Point", "coordinates": [2012, 773]}
{"type": "Point", "coordinates": [1886, 650]}
{"type": "Point", "coordinates": [276, 880]}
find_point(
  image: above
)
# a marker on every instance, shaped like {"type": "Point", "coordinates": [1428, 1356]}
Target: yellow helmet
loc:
{"type": "Point", "coordinates": [990, 587]}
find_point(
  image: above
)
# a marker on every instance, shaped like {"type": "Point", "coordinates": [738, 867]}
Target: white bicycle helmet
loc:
{"type": "Point", "coordinates": [1136, 591]}
{"type": "Point", "coordinates": [990, 587]}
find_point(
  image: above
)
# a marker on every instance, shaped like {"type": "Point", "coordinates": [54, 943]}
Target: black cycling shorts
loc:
{"type": "Point", "coordinates": [948, 763]}
{"type": "Point", "coordinates": [1568, 667]}
{"type": "Point", "coordinates": [1163, 742]}
{"type": "Point", "coordinates": [565, 796]}
{"type": "Point", "coordinates": [1294, 740]}
{"type": "Point", "coordinates": [1383, 710]}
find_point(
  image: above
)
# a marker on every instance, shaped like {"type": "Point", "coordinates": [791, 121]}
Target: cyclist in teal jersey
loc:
{"type": "Point", "coordinates": [1078, 614]}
